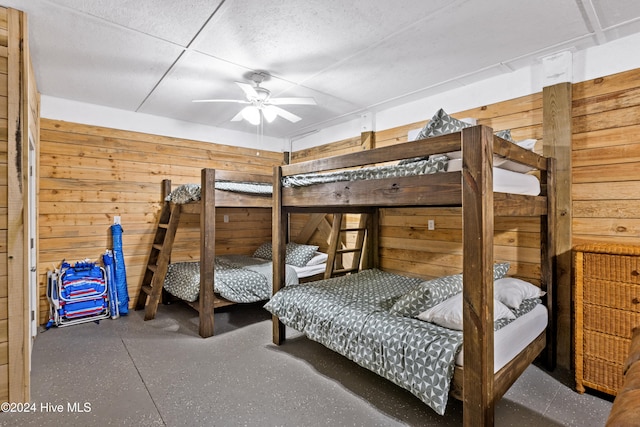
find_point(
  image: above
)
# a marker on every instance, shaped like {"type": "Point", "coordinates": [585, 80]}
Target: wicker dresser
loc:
{"type": "Point", "coordinates": [607, 308]}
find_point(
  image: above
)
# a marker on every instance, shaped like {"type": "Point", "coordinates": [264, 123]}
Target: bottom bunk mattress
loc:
{"type": "Point", "coordinates": [515, 337]}
{"type": "Point", "coordinates": [237, 278]}
{"type": "Point", "coordinates": [351, 315]}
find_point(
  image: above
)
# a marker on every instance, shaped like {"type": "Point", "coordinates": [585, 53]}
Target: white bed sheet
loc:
{"type": "Point", "coordinates": [510, 340]}
{"type": "Point", "coordinates": [309, 270]}
{"type": "Point", "coordinates": [506, 181]}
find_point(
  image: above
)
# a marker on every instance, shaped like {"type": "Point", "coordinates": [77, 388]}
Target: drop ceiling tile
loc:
{"type": "Point", "coordinates": [351, 56]}
{"type": "Point", "coordinates": [615, 12]}
{"type": "Point", "coordinates": [92, 61]}
{"type": "Point", "coordinates": [622, 30]}
{"type": "Point", "coordinates": [295, 40]}
{"type": "Point", "coordinates": [447, 47]}
{"type": "Point", "coordinates": [175, 21]}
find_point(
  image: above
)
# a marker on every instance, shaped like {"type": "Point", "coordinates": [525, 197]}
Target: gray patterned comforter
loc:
{"type": "Point", "coordinates": [238, 278]}
{"type": "Point", "coordinates": [350, 315]}
{"type": "Point", "coordinates": [192, 192]}
{"type": "Point", "coordinates": [417, 166]}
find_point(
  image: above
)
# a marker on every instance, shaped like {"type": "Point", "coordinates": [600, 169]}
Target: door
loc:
{"type": "Point", "coordinates": [32, 235]}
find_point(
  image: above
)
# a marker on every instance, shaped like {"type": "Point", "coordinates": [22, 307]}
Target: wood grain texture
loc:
{"type": "Point", "coordinates": [17, 151]}
{"type": "Point", "coordinates": [558, 131]}
{"type": "Point", "coordinates": [90, 174]}
{"type": "Point", "coordinates": [477, 290]}
{"type": "Point", "coordinates": [4, 145]}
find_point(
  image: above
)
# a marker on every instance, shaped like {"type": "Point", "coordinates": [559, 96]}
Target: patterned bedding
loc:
{"type": "Point", "coordinates": [238, 278]}
{"type": "Point", "coordinates": [350, 315]}
{"type": "Point", "coordinates": [418, 166]}
{"type": "Point", "coordinates": [191, 192]}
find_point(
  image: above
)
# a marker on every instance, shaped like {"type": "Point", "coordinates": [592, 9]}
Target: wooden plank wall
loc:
{"type": "Point", "coordinates": [4, 328]}
{"type": "Point", "coordinates": [345, 146]}
{"type": "Point", "coordinates": [90, 174]}
{"type": "Point", "coordinates": [606, 159]}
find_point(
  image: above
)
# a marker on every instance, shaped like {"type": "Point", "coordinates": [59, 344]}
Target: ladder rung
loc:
{"type": "Point", "coordinates": [146, 289]}
{"type": "Point", "coordinates": [152, 267]}
{"type": "Point", "coordinates": [157, 246]}
{"type": "Point", "coordinates": [347, 251]}
{"type": "Point", "coordinates": [163, 225]}
{"type": "Point", "coordinates": [343, 230]}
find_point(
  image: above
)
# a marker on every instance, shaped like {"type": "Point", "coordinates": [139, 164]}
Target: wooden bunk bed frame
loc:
{"type": "Point", "coordinates": [160, 255]}
{"type": "Point", "coordinates": [472, 189]}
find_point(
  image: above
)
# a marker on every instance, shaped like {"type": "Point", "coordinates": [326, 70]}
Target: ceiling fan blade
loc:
{"type": "Point", "coordinates": [285, 114]}
{"type": "Point", "coordinates": [235, 101]}
{"type": "Point", "coordinates": [248, 90]}
{"type": "Point", "coordinates": [292, 101]}
{"type": "Point", "coordinates": [237, 117]}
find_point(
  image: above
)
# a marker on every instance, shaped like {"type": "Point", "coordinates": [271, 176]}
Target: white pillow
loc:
{"type": "Point", "coordinates": [448, 313]}
{"type": "Point", "coordinates": [511, 291]}
{"type": "Point", "coordinates": [527, 144]}
{"type": "Point", "coordinates": [318, 258]}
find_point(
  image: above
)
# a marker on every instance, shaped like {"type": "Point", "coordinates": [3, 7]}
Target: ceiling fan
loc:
{"type": "Point", "coordinates": [261, 104]}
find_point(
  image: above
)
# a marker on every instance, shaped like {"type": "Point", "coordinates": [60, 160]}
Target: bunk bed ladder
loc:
{"type": "Point", "coordinates": [158, 263]}
{"type": "Point", "coordinates": [338, 245]}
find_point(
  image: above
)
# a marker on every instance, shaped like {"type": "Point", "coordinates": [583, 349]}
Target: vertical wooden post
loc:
{"type": "Point", "coordinates": [477, 292]}
{"type": "Point", "coordinates": [17, 277]}
{"type": "Point", "coordinates": [368, 140]}
{"type": "Point", "coordinates": [207, 250]}
{"type": "Point", "coordinates": [547, 257]}
{"type": "Point", "coordinates": [280, 227]}
{"type": "Point", "coordinates": [165, 188]}
{"type": "Point", "coordinates": [556, 124]}
{"type": "Point", "coordinates": [373, 239]}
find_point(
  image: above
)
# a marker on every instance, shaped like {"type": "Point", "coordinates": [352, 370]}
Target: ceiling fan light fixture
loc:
{"type": "Point", "coordinates": [251, 114]}
{"type": "Point", "coordinates": [269, 114]}
{"type": "Point", "coordinates": [261, 105]}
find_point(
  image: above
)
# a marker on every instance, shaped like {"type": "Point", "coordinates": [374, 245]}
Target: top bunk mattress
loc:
{"type": "Point", "coordinates": [192, 192]}
{"type": "Point", "coordinates": [504, 180]}
{"type": "Point", "coordinates": [410, 168]}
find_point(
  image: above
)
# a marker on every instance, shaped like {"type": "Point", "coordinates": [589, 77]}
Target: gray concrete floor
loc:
{"type": "Point", "coordinates": [161, 373]}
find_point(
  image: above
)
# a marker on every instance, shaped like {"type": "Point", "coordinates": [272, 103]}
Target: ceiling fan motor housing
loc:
{"type": "Point", "coordinates": [263, 94]}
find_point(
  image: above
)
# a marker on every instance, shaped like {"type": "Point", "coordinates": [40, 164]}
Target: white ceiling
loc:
{"type": "Point", "coordinates": [352, 56]}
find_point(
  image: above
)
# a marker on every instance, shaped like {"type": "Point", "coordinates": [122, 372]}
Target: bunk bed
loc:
{"type": "Point", "coordinates": [237, 278]}
{"type": "Point", "coordinates": [477, 384]}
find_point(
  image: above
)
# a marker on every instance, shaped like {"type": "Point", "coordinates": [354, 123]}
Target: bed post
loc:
{"type": "Point", "coordinates": [207, 250]}
{"type": "Point", "coordinates": [373, 239]}
{"type": "Point", "coordinates": [280, 226]}
{"type": "Point", "coordinates": [547, 254]}
{"type": "Point", "coordinates": [477, 212]}
{"type": "Point", "coordinates": [166, 188]}
{"type": "Point", "coordinates": [557, 136]}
